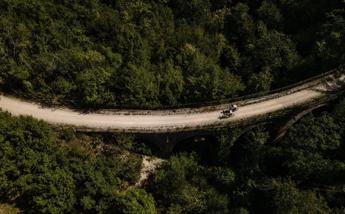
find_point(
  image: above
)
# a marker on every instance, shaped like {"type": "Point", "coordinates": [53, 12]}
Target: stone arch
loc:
{"type": "Point", "coordinates": [283, 128]}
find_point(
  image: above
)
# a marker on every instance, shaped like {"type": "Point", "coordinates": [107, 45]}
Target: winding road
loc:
{"type": "Point", "coordinates": [144, 121]}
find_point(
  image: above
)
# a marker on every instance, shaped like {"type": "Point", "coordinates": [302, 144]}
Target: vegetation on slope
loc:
{"type": "Point", "coordinates": [95, 53]}
{"type": "Point", "coordinates": [305, 173]}
{"type": "Point", "coordinates": [45, 171]}
{"type": "Point", "coordinates": [148, 53]}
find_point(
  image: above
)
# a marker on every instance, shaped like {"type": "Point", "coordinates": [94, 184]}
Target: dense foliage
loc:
{"type": "Point", "coordinates": [45, 171]}
{"type": "Point", "coordinates": [147, 53]}
{"type": "Point", "coordinates": [245, 173]}
{"type": "Point", "coordinates": [94, 53]}
{"type": "Point", "coordinates": [42, 171]}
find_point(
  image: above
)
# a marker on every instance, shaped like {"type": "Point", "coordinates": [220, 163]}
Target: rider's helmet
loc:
{"type": "Point", "coordinates": [233, 107]}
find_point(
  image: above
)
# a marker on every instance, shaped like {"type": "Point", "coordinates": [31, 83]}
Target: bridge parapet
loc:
{"type": "Point", "coordinates": [253, 110]}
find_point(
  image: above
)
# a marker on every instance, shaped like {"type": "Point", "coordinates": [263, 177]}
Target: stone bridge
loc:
{"type": "Point", "coordinates": [173, 125]}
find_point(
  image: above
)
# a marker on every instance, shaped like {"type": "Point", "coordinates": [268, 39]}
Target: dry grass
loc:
{"type": "Point", "coordinates": [8, 209]}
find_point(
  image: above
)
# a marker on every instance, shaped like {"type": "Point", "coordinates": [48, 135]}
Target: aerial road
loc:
{"type": "Point", "coordinates": [144, 121]}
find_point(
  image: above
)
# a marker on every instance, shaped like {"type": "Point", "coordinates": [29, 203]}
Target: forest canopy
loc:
{"type": "Point", "coordinates": [245, 172]}
{"type": "Point", "coordinates": [163, 52]}
{"type": "Point", "coordinates": [147, 53]}
{"type": "Point", "coordinates": [44, 171]}
{"type": "Point", "coordinates": [231, 171]}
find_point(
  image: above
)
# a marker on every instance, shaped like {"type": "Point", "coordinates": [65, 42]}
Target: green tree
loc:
{"type": "Point", "coordinates": [274, 50]}
{"type": "Point", "coordinates": [172, 187]}
{"type": "Point", "coordinates": [52, 192]}
{"type": "Point", "coordinates": [329, 48]}
{"type": "Point", "coordinates": [134, 201]}
{"type": "Point", "coordinates": [42, 173]}
{"type": "Point", "coordinates": [171, 84]}
{"type": "Point", "coordinates": [288, 199]}
{"type": "Point", "coordinates": [260, 82]}
{"type": "Point", "coordinates": [316, 134]}
{"type": "Point", "coordinates": [139, 86]}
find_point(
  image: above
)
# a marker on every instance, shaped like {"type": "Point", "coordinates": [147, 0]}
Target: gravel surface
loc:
{"type": "Point", "coordinates": [161, 122]}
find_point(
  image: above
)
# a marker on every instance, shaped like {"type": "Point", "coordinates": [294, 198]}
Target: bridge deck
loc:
{"type": "Point", "coordinates": [143, 121]}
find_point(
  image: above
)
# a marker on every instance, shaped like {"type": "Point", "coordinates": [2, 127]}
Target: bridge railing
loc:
{"type": "Point", "coordinates": [307, 83]}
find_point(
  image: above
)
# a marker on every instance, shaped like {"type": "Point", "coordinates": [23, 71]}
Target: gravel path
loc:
{"type": "Point", "coordinates": [162, 122]}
